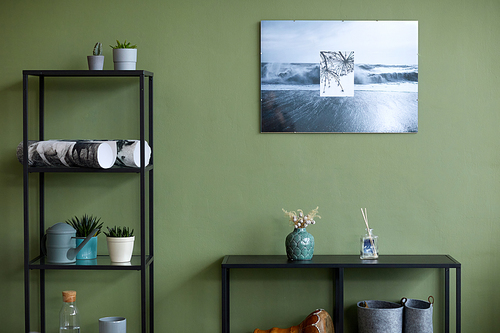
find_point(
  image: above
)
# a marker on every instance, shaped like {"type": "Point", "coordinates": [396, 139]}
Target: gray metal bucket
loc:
{"type": "Point", "coordinates": [417, 315]}
{"type": "Point", "coordinates": [380, 317]}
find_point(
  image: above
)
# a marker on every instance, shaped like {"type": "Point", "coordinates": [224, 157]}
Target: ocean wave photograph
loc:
{"type": "Point", "coordinates": [293, 80]}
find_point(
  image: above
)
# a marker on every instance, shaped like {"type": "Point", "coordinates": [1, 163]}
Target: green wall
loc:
{"type": "Point", "coordinates": [220, 184]}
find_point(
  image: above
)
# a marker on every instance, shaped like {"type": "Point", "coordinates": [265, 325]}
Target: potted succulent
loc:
{"type": "Point", "coordinates": [124, 55]}
{"type": "Point", "coordinates": [96, 61]}
{"type": "Point", "coordinates": [120, 243]}
{"type": "Point", "coordinates": [84, 226]}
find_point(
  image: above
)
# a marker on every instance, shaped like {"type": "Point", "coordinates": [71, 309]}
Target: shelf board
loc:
{"type": "Point", "coordinates": [102, 262]}
{"type": "Point", "coordinates": [87, 73]}
{"type": "Point", "coordinates": [114, 169]}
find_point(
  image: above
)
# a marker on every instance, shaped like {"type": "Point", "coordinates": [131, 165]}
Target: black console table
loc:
{"type": "Point", "coordinates": [338, 263]}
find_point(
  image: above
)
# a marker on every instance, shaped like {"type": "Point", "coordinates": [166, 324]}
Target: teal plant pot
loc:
{"type": "Point", "coordinates": [89, 251]}
{"type": "Point", "coordinates": [299, 245]}
{"type": "Point", "coordinates": [87, 262]}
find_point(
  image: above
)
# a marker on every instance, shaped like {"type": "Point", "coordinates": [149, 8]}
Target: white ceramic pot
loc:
{"type": "Point", "coordinates": [124, 59]}
{"type": "Point", "coordinates": [95, 62]}
{"type": "Point", "coordinates": [120, 248]}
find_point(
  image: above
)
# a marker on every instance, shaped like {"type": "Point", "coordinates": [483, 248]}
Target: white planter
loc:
{"type": "Point", "coordinates": [95, 62]}
{"type": "Point", "coordinates": [124, 59]}
{"type": "Point", "coordinates": [120, 248]}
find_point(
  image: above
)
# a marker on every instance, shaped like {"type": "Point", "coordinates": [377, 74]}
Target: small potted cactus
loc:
{"type": "Point", "coordinates": [96, 61]}
{"type": "Point", "coordinates": [120, 243]}
{"type": "Point", "coordinates": [124, 56]}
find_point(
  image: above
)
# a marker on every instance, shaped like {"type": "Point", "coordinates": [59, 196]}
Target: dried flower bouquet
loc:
{"type": "Point", "coordinates": [301, 221]}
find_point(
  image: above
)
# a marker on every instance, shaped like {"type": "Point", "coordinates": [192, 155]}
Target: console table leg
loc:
{"type": "Point", "coordinates": [459, 299]}
{"type": "Point", "coordinates": [225, 300]}
{"type": "Point", "coordinates": [339, 300]}
{"type": "Point", "coordinates": [447, 300]}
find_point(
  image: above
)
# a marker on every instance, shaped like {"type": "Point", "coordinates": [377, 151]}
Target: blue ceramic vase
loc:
{"type": "Point", "coordinates": [299, 245]}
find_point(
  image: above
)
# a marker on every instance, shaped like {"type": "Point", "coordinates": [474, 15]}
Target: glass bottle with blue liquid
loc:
{"type": "Point", "coordinates": [369, 245]}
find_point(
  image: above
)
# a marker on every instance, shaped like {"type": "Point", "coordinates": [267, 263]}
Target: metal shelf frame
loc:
{"type": "Point", "coordinates": [338, 263]}
{"type": "Point", "coordinates": [143, 262]}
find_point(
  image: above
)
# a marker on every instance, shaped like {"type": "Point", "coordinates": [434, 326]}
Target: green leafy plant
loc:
{"type": "Point", "coordinates": [123, 45]}
{"type": "Point", "coordinates": [97, 49]}
{"type": "Point", "coordinates": [119, 232]}
{"type": "Point", "coordinates": [85, 225]}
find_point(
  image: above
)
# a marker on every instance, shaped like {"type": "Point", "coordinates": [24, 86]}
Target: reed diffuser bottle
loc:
{"type": "Point", "coordinates": [369, 245]}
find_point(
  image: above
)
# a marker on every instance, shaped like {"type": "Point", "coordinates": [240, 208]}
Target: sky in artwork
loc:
{"type": "Point", "coordinates": [374, 42]}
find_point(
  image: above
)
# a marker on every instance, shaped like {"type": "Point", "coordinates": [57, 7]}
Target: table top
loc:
{"type": "Point", "coordinates": [341, 261]}
{"type": "Point", "coordinates": [87, 73]}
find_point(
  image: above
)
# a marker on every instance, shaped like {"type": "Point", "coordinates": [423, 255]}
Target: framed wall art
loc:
{"type": "Point", "coordinates": [339, 76]}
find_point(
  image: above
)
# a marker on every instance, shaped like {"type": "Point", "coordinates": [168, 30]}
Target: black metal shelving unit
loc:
{"type": "Point", "coordinates": [142, 262]}
{"type": "Point", "coordinates": [338, 263]}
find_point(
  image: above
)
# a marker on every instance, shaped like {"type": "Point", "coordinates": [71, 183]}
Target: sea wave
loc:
{"type": "Point", "coordinates": [373, 74]}
{"type": "Point", "coordinates": [286, 74]}
{"type": "Point", "coordinates": [307, 74]}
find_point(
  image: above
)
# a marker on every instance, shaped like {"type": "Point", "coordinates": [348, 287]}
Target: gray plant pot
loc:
{"type": "Point", "coordinates": [95, 62]}
{"type": "Point", "coordinates": [125, 59]}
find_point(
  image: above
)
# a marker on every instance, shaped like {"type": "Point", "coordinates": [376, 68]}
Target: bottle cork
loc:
{"type": "Point", "coordinates": [69, 296]}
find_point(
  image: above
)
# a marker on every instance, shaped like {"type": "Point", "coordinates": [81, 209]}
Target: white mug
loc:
{"type": "Point", "coordinates": [112, 325]}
